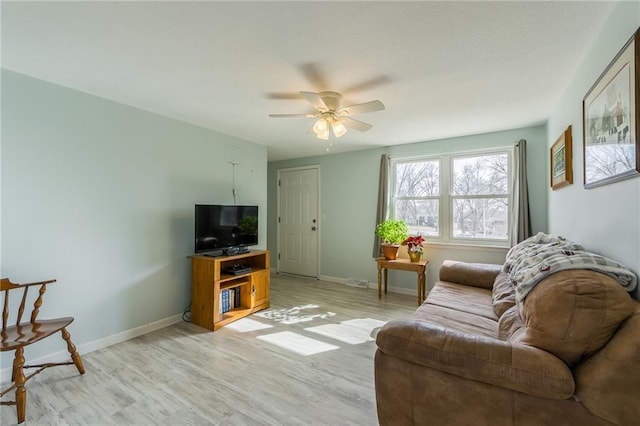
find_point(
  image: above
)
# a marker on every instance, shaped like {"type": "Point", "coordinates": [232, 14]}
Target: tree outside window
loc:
{"type": "Point", "coordinates": [417, 196]}
{"type": "Point", "coordinates": [480, 195]}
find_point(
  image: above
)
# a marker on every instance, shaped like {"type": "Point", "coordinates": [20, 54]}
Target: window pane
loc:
{"type": "Point", "coordinates": [484, 218]}
{"type": "Point", "coordinates": [481, 175]}
{"type": "Point", "coordinates": [418, 179]}
{"type": "Point", "coordinates": [421, 216]}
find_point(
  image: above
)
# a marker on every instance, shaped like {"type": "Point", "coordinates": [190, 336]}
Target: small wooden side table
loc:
{"type": "Point", "coordinates": [403, 264]}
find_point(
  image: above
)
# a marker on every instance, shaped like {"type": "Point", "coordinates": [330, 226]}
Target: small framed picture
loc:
{"type": "Point", "coordinates": [611, 116]}
{"type": "Point", "coordinates": [561, 169]}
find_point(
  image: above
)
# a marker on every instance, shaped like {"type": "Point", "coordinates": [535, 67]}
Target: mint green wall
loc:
{"type": "Point", "coordinates": [605, 219]}
{"type": "Point", "coordinates": [349, 185]}
{"type": "Point", "coordinates": [100, 196]}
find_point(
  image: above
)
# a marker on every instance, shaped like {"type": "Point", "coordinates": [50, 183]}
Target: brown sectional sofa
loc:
{"type": "Point", "coordinates": [569, 354]}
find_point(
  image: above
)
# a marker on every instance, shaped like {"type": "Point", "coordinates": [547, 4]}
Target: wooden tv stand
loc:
{"type": "Point", "coordinates": [208, 279]}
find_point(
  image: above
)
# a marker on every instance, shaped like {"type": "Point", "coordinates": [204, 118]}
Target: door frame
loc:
{"type": "Point", "coordinates": [315, 167]}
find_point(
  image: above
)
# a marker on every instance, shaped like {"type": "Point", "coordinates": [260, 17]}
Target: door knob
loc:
{"type": "Point", "coordinates": [313, 228]}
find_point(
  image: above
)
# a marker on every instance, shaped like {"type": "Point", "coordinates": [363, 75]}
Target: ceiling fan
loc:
{"type": "Point", "coordinates": [331, 116]}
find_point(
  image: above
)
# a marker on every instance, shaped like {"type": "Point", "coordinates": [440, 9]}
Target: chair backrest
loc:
{"type": "Point", "coordinates": [6, 286]}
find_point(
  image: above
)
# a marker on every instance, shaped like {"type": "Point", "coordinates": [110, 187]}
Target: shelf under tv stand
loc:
{"type": "Point", "coordinates": [209, 279]}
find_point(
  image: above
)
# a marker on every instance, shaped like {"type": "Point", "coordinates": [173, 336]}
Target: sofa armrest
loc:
{"type": "Point", "coordinates": [472, 274]}
{"type": "Point", "coordinates": [521, 368]}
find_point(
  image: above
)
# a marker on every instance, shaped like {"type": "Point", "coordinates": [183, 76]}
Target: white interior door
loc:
{"type": "Point", "coordinates": [298, 221]}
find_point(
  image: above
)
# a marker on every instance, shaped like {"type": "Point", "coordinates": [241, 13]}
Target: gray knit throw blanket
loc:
{"type": "Point", "coordinates": [534, 259]}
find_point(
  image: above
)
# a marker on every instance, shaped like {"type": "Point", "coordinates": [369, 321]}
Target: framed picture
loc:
{"type": "Point", "coordinates": [610, 118]}
{"type": "Point", "coordinates": [561, 159]}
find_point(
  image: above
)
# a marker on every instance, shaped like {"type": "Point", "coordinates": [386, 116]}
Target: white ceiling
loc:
{"type": "Point", "coordinates": [442, 69]}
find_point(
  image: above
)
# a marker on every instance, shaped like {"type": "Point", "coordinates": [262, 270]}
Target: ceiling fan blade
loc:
{"type": "Point", "coordinates": [313, 74]}
{"type": "Point", "coordinates": [368, 84]}
{"type": "Point", "coordinates": [362, 108]}
{"type": "Point", "coordinates": [292, 115]}
{"type": "Point", "coordinates": [283, 95]}
{"type": "Point", "coordinates": [315, 100]}
{"type": "Point", "coordinates": [355, 124]}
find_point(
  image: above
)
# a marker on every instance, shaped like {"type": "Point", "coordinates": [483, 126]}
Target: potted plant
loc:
{"type": "Point", "coordinates": [392, 232]}
{"type": "Point", "coordinates": [414, 247]}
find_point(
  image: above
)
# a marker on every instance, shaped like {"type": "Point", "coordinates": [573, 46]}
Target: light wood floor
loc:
{"type": "Point", "coordinates": [186, 375]}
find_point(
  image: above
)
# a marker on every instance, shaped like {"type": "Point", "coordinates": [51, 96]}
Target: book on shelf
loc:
{"type": "Point", "coordinates": [224, 299]}
{"type": "Point", "coordinates": [229, 300]}
{"type": "Point", "coordinates": [237, 298]}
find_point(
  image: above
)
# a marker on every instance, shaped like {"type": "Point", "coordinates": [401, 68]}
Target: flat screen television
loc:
{"type": "Point", "coordinates": [224, 230]}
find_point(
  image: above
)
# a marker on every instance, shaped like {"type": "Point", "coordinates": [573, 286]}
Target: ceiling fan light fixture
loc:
{"type": "Point", "coordinates": [321, 126]}
{"type": "Point", "coordinates": [331, 117]}
{"type": "Point", "coordinates": [324, 135]}
{"type": "Point", "coordinates": [338, 128]}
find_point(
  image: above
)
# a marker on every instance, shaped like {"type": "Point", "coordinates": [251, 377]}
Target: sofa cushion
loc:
{"type": "Point", "coordinates": [613, 396]}
{"type": "Point", "coordinates": [470, 274]}
{"type": "Point", "coordinates": [572, 314]}
{"type": "Point", "coordinates": [462, 298]}
{"type": "Point", "coordinates": [477, 358]}
{"type": "Point", "coordinates": [456, 320]}
{"type": "Point", "coordinates": [509, 324]}
{"type": "Point", "coordinates": [503, 294]}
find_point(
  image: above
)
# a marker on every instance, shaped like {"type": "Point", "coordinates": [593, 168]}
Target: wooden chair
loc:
{"type": "Point", "coordinates": [16, 337]}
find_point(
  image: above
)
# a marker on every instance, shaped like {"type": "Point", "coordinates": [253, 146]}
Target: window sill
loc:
{"type": "Point", "coordinates": [467, 246]}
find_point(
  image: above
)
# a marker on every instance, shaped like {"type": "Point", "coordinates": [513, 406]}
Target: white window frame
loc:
{"type": "Point", "coordinates": [446, 197]}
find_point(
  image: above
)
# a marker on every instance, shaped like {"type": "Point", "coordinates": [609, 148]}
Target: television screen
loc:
{"type": "Point", "coordinates": [219, 227]}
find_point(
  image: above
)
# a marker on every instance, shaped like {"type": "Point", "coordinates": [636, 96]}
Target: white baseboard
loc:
{"type": "Point", "coordinates": [350, 282]}
{"type": "Point", "coordinates": [128, 334]}
{"type": "Point", "coordinates": [85, 348]}
{"type": "Point", "coordinates": [330, 279]}
{"type": "Point", "coordinates": [390, 288]}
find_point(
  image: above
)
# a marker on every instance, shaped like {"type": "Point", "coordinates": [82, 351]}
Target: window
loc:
{"type": "Point", "coordinates": [455, 197]}
{"type": "Point", "coordinates": [417, 196]}
{"type": "Point", "coordinates": [480, 196]}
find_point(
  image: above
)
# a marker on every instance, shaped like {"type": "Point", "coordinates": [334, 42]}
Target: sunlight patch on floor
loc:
{"type": "Point", "coordinates": [245, 325]}
{"type": "Point", "coordinates": [295, 315]}
{"type": "Point", "coordinates": [297, 343]}
{"type": "Point", "coordinates": [353, 331]}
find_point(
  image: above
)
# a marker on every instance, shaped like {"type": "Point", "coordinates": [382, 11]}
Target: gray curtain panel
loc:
{"type": "Point", "coordinates": [381, 212]}
{"type": "Point", "coordinates": [520, 220]}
